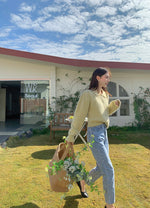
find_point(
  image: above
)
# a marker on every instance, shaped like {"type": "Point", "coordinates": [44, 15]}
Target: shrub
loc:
{"type": "Point", "coordinates": [142, 108]}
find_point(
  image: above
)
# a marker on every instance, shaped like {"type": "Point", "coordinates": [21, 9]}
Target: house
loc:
{"type": "Point", "coordinates": [29, 81]}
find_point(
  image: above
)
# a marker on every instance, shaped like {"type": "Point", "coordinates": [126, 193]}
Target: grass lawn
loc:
{"type": "Point", "coordinates": [24, 182]}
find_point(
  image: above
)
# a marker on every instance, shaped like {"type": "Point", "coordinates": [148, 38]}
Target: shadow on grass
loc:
{"type": "Point", "coordinates": [71, 201]}
{"type": "Point", "coordinates": [27, 205]}
{"type": "Point", "coordinates": [44, 154]}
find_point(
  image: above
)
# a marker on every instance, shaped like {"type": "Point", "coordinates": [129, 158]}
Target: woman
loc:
{"type": "Point", "coordinates": [93, 104]}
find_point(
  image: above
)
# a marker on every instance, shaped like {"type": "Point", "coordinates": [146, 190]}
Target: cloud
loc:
{"type": "Point", "coordinates": [126, 7]}
{"type": "Point", "coordinates": [95, 2]}
{"type": "Point", "coordinates": [68, 24]}
{"type": "Point", "coordinates": [138, 21]}
{"type": "Point", "coordinates": [114, 2]}
{"type": "Point", "coordinates": [48, 10]}
{"type": "Point", "coordinates": [43, 46]}
{"type": "Point", "coordinates": [146, 36]}
{"type": "Point", "coordinates": [26, 8]}
{"type": "Point", "coordinates": [55, 49]}
{"type": "Point", "coordinates": [97, 29]}
{"type": "Point", "coordinates": [102, 2]}
{"type": "Point", "coordinates": [5, 31]}
{"type": "Point", "coordinates": [124, 54]}
{"type": "Point", "coordinates": [104, 11]}
{"type": "Point", "coordinates": [77, 39]}
{"type": "Point", "coordinates": [22, 21]}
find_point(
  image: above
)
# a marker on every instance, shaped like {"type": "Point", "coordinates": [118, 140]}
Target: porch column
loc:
{"type": "Point", "coordinates": [52, 86]}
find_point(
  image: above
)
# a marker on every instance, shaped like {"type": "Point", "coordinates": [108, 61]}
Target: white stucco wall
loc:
{"type": "Point", "coordinates": [68, 80]}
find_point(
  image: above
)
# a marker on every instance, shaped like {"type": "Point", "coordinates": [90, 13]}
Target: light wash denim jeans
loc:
{"type": "Point", "coordinates": [104, 167]}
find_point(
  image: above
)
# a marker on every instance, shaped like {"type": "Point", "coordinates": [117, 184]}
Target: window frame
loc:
{"type": "Point", "coordinates": [120, 98]}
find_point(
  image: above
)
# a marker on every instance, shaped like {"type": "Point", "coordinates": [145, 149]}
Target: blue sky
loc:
{"type": "Point", "coordinates": [103, 30]}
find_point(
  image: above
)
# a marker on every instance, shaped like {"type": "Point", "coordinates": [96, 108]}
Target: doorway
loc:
{"type": "Point", "coordinates": [12, 106]}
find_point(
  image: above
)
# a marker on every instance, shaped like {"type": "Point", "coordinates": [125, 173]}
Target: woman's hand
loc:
{"type": "Point", "coordinates": [117, 102]}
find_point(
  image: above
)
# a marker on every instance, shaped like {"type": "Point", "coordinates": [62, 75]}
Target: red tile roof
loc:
{"type": "Point", "coordinates": [74, 62]}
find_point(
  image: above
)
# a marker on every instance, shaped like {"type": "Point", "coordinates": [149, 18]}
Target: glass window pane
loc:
{"type": "Point", "coordinates": [122, 92]}
{"type": "Point", "coordinates": [34, 101]}
{"type": "Point", "coordinates": [124, 109]}
{"type": "Point", "coordinates": [112, 89]}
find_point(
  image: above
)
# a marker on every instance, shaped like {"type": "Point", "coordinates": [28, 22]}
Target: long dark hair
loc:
{"type": "Point", "coordinates": [98, 72]}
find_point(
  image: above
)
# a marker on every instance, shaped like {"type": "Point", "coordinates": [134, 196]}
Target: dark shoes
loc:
{"type": "Point", "coordinates": [83, 194]}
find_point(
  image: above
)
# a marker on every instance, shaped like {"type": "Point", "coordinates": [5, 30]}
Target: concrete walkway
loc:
{"type": "Point", "coordinates": [14, 128]}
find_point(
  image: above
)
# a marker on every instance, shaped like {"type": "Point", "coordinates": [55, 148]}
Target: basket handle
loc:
{"type": "Point", "coordinates": [68, 148]}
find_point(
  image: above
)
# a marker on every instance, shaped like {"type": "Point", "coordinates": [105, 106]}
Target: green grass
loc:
{"type": "Point", "coordinates": [25, 184]}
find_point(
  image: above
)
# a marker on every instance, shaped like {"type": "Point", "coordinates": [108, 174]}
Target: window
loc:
{"type": "Point", "coordinates": [118, 92]}
{"type": "Point", "coordinates": [34, 101]}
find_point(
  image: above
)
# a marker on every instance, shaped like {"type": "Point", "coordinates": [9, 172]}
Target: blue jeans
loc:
{"type": "Point", "coordinates": [104, 167]}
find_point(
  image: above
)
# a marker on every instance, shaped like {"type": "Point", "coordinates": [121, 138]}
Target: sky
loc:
{"type": "Point", "coordinates": [101, 30]}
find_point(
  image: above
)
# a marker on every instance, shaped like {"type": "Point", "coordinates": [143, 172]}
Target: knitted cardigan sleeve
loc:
{"type": "Point", "coordinates": [79, 116]}
{"type": "Point", "coordinates": [112, 107]}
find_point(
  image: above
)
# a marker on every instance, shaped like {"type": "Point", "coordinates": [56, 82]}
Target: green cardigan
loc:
{"type": "Point", "coordinates": [94, 106]}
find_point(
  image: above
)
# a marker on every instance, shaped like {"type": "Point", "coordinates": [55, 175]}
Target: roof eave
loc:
{"type": "Point", "coordinates": [74, 62]}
